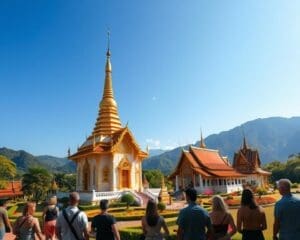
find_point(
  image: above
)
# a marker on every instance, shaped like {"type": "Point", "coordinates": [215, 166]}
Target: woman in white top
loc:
{"type": "Point", "coordinates": [152, 223]}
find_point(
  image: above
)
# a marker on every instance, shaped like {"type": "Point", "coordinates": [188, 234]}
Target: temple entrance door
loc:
{"type": "Point", "coordinates": [124, 174]}
{"type": "Point", "coordinates": [86, 177]}
{"type": "Point", "coordinates": [125, 178]}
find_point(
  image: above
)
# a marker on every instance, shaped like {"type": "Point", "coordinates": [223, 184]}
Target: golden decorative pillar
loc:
{"type": "Point", "coordinates": [163, 194]}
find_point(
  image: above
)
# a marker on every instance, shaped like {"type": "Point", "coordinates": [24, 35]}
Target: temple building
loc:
{"type": "Point", "coordinates": [207, 171]}
{"type": "Point", "coordinates": [247, 162]}
{"type": "Point", "coordinates": [110, 160]}
{"type": "Point", "coordinates": [11, 189]}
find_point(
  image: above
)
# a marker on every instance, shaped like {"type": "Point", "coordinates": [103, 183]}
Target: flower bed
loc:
{"type": "Point", "coordinates": [260, 201]}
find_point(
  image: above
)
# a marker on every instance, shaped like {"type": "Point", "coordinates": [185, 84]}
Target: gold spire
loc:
{"type": "Point", "coordinates": [202, 143]}
{"type": "Point", "coordinates": [108, 120]}
{"type": "Point", "coordinates": [163, 181]}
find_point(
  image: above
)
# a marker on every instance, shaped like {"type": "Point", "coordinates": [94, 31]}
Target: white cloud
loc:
{"type": "Point", "coordinates": [153, 143]}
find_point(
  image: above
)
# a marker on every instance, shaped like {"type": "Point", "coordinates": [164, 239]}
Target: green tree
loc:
{"type": "Point", "coordinates": [154, 177]}
{"type": "Point", "coordinates": [65, 182]}
{"type": "Point", "coordinates": [128, 199]}
{"type": "Point", "coordinates": [8, 170]}
{"type": "Point", "coordinates": [289, 169]}
{"type": "Point", "coordinates": [36, 183]}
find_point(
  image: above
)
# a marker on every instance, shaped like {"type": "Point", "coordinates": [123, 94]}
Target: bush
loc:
{"type": "Point", "coordinates": [294, 185]}
{"type": "Point", "coordinates": [261, 191]}
{"type": "Point", "coordinates": [128, 199]}
{"type": "Point", "coordinates": [229, 197]}
{"type": "Point", "coordinates": [161, 206]}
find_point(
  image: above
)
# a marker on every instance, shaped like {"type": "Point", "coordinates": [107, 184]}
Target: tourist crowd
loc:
{"type": "Point", "coordinates": [194, 222]}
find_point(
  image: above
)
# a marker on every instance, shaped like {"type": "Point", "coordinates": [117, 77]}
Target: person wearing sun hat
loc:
{"type": "Point", "coordinates": [50, 214]}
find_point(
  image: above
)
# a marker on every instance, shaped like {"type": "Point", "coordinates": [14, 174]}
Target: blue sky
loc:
{"type": "Point", "coordinates": [177, 66]}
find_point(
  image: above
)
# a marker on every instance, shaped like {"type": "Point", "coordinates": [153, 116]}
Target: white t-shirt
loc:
{"type": "Point", "coordinates": [80, 223]}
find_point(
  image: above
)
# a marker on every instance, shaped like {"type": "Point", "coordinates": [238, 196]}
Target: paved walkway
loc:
{"type": "Point", "coordinates": [121, 224]}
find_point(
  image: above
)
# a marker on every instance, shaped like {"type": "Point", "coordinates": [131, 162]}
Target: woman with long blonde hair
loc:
{"type": "Point", "coordinates": [222, 221]}
{"type": "Point", "coordinates": [27, 227]}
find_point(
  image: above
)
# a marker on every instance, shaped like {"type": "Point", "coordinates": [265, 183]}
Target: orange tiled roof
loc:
{"type": "Point", "coordinates": [211, 159]}
{"type": "Point", "coordinates": [263, 172]}
{"type": "Point", "coordinates": [207, 162]}
{"type": "Point", "coordinates": [12, 189]}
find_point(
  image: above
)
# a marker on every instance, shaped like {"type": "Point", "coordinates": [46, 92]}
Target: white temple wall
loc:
{"type": "Point", "coordinates": [255, 178]}
{"type": "Point", "coordinates": [134, 164]}
{"type": "Point", "coordinates": [104, 182]}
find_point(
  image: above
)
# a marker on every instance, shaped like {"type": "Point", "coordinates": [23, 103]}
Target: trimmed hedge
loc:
{"type": "Point", "coordinates": [117, 204]}
{"type": "Point", "coordinates": [135, 233]}
{"type": "Point", "coordinates": [88, 207]}
{"type": "Point", "coordinates": [138, 217]}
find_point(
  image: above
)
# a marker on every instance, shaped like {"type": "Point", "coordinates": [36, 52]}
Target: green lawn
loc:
{"type": "Point", "coordinates": [267, 233]}
{"type": "Point", "coordinates": [16, 211]}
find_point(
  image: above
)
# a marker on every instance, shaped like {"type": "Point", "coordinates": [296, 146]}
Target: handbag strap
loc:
{"type": "Point", "coordinates": [70, 222]}
{"type": "Point", "coordinates": [20, 225]}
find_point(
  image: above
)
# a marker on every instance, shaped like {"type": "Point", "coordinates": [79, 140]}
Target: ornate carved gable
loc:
{"type": "Point", "coordinates": [246, 160]}
{"type": "Point", "coordinates": [241, 163]}
{"type": "Point", "coordinates": [186, 167]}
{"type": "Point", "coordinates": [124, 147]}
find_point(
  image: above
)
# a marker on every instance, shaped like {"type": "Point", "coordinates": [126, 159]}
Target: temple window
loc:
{"type": "Point", "coordinates": [105, 174]}
{"type": "Point", "coordinates": [220, 181]}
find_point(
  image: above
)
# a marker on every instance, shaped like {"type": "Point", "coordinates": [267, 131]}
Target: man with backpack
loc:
{"type": "Point", "coordinates": [72, 224]}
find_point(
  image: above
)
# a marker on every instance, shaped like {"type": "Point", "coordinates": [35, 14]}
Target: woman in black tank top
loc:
{"type": "Point", "coordinates": [50, 214]}
{"type": "Point", "coordinates": [222, 221]}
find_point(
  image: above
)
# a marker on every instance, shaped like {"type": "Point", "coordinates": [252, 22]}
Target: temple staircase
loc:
{"type": "Point", "coordinates": [144, 197]}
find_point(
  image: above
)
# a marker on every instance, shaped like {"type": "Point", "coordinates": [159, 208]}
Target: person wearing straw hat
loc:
{"type": "Point", "coordinates": [50, 214]}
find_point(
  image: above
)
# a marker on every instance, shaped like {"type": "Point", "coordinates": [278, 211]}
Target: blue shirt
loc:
{"type": "Point", "coordinates": [193, 220]}
{"type": "Point", "coordinates": [287, 211]}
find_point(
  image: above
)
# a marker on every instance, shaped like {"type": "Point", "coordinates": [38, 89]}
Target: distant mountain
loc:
{"type": "Point", "coordinates": [155, 152]}
{"type": "Point", "coordinates": [25, 160]}
{"type": "Point", "coordinates": [22, 159]}
{"type": "Point", "coordinates": [275, 138]}
{"type": "Point", "coordinates": [52, 161]}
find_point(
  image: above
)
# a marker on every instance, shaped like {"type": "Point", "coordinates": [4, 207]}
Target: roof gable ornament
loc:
{"type": "Point", "coordinates": [244, 143]}
{"type": "Point", "coordinates": [202, 143]}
